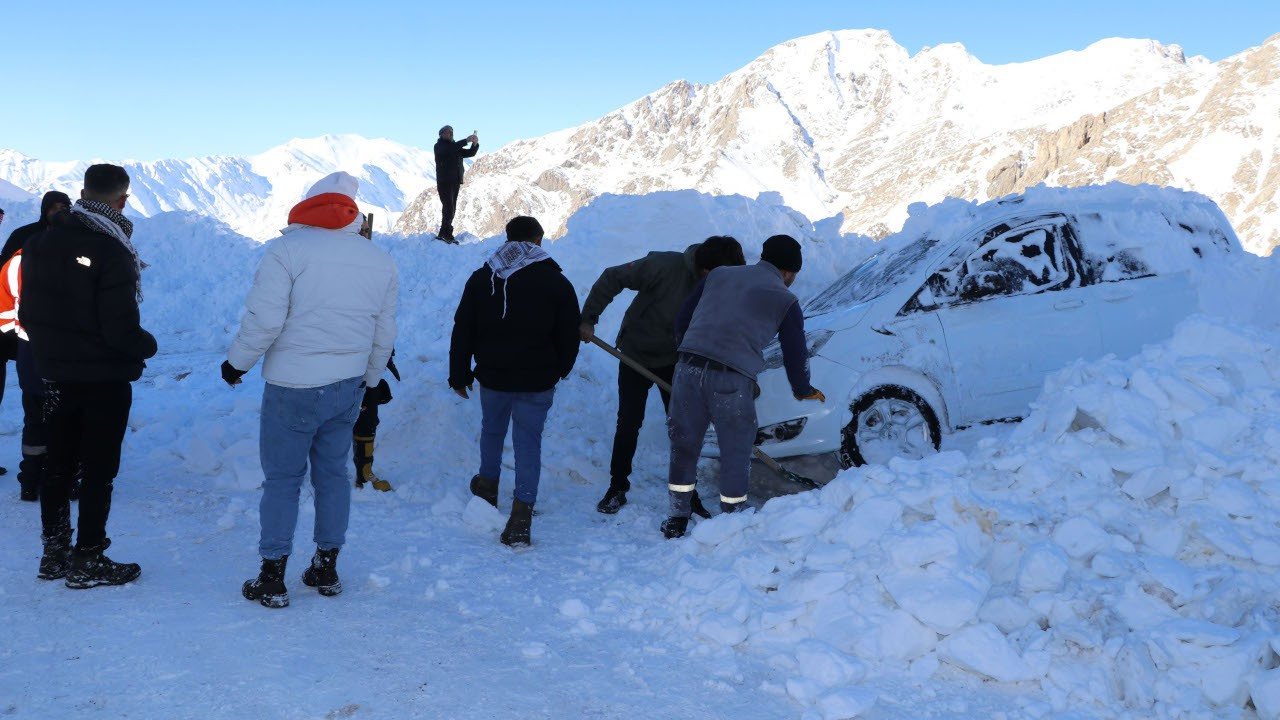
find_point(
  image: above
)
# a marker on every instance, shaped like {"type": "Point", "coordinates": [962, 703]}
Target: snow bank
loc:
{"type": "Point", "coordinates": [1119, 550]}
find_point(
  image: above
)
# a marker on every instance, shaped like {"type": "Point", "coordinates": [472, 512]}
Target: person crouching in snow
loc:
{"type": "Point", "coordinates": [322, 312]}
{"type": "Point", "coordinates": [518, 318]}
{"type": "Point", "coordinates": [722, 331]}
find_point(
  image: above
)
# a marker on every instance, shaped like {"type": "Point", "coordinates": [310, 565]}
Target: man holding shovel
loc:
{"type": "Point", "coordinates": [723, 329]}
{"type": "Point", "coordinates": [662, 281]}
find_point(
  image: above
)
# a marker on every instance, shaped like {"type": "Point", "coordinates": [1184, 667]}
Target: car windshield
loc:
{"type": "Point", "coordinates": [871, 279]}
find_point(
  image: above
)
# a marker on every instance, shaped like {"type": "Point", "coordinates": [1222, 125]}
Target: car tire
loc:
{"type": "Point", "coordinates": [917, 429]}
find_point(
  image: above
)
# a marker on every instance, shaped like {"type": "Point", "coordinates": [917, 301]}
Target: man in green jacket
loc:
{"type": "Point", "coordinates": [662, 281]}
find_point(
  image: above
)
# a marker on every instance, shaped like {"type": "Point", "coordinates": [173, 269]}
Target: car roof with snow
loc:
{"type": "Point", "coordinates": [1126, 231]}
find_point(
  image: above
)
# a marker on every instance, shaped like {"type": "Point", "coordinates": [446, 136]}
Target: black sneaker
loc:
{"type": "Point", "coordinates": [696, 506]}
{"type": "Point", "coordinates": [56, 561]}
{"type": "Point", "coordinates": [674, 527]}
{"type": "Point", "coordinates": [268, 588]}
{"type": "Point", "coordinates": [612, 501]}
{"type": "Point", "coordinates": [485, 489]}
{"type": "Point", "coordinates": [322, 574]}
{"type": "Point", "coordinates": [90, 568]}
{"type": "Point", "coordinates": [517, 531]}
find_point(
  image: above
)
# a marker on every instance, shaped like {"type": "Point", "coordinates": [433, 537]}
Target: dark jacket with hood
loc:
{"type": "Point", "coordinates": [662, 281]}
{"type": "Point", "coordinates": [17, 240]}
{"type": "Point", "coordinates": [449, 157]}
{"type": "Point", "coordinates": [19, 237]}
{"type": "Point", "coordinates": [522, 331]}
{"type": "Point", "coordinates": [80, 305]}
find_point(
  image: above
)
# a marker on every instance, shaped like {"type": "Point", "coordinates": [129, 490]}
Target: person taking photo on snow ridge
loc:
{"type": "Point", "coordinates": [662, 281]}
{"type": "Point", "coordinates": [449, 172]}
{"type": "Point", "coordinates": [321, 315]}
{"type": "Point", "coordinates": [518, 318]}
{"type": "Point", "coordinates": [81, 285]}
{"type": "Point", "coordinates": [722, 331]}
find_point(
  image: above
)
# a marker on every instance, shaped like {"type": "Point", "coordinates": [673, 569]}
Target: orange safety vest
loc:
{"type": "Point", "coordinates": [10, 292]}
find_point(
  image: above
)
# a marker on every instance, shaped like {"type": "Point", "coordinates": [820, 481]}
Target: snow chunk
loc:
{"type": "Point", "coordinates": [1043, 568]}
{"type": "Point", "coordinates": [984, 650]}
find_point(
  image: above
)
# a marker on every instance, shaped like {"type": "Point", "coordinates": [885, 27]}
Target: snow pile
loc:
{"type": "Point", "coordinates": [1119, 549]}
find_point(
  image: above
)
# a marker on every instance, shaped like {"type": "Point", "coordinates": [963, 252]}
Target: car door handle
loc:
{"type": "Point", "coordinates": [1068, 304]}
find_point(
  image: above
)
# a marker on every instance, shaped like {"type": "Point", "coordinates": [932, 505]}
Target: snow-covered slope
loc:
{"type": "Point", "coordinates": [251, 194]}
{"type": "Point", "coordinates": [849, 122]}
{"type": "Point", "coordinates": [1114, 556]}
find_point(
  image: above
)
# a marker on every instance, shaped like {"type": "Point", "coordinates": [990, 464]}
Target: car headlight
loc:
{"type": "Point", "coordinates": [775, 433]}
{"type": "Point", "coordinates": [813, 340]}
{"type": "Point", "coordinates": [780, 432]}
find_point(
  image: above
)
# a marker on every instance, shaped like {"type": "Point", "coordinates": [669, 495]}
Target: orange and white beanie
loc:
{"type": "Point", "coordinates": [329, 204]}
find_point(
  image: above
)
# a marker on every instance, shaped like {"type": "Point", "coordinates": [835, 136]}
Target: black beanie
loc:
{"type": "Point", "coordinates": [782, 252]}
{"type": "Point", "coordinates": [524, 229]}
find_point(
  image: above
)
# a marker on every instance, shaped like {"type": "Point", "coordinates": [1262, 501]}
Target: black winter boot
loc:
{"type": "Point", "coordinates": [90, 568]}
{"type": "Point", "coordinates": [485, 489]}
{"type": "Point", "coordinates": [612, 501]}
{"type": "Point", "coordinates": [726, 508]}
{"type": "Point", "coordinates": [674, 527]}
{"type": "Point", "coordinates": [322, 574]}
{"type": "Point", "coordinates": [268, 589]}
{"type": "Point", "coordinates": [517, 530]}
{"type": "Point", "coordinates": [56, 560]}
{"type": "Point", "coordinates": [695, 504]}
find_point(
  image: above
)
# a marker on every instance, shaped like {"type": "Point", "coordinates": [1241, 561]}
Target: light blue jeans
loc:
{"type": "Point", "coordinates": [301, 426]}
{"type": "Point", "coordinates": [526, 414]}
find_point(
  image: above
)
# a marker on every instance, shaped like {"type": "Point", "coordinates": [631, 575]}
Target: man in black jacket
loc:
{"type": "Point", "coordinates": [662, 281]}
{"type": "Point", "coordinates": [449, 171]}
{"type": "Point", "coordinates": [519, 319]}
{"type": "Point", "coordinates": [81, 284]}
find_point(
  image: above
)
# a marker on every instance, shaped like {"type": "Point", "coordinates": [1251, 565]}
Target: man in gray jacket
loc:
{"type": "Point", "coordinates": [322, 312]}
{"type": "Point", "coordinates": [723, 329]}
{"type": "Point", "coordinates": [662, 281]}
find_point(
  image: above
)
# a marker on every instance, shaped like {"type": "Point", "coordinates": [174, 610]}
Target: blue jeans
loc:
{"type": "Point", "coordinates": [301, 425]}
{"type": "Point", "coordinates": [526, 413]}
{"type": "Point", "coordinates": [701, 397]}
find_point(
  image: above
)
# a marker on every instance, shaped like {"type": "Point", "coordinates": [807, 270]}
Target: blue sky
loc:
{"type": "Point", "coordinates": [147, 80]}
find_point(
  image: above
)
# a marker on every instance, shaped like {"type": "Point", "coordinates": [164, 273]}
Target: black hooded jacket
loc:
{"type": "Point", "coordinates": [80, 305]}
{"type": "Point", "coordinates": [522, 331]}
{"type": "Point", "coordinates": [19, 237]}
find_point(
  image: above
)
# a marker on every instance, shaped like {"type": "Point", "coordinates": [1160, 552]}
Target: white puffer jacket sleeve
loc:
{"type": "Point", "coordinates": [266, 308]}
{"type": "Point", "coordinates": [384, 332]}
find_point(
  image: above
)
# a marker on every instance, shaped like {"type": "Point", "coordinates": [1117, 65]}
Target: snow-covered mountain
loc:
{"type": "Point", "coordinates": [850, 122]}
{"type": "Point", "coordinates": [251, 194]}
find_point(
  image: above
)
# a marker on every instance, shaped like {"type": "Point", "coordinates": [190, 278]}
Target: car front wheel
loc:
{"type": "Point", "coordinates": [889, 421]}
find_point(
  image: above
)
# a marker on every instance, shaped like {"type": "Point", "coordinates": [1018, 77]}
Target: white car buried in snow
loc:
{"type": "Point", "coordinates": [960, 317]}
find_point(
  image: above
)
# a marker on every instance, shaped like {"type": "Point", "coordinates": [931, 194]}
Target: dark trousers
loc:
{"type": "Point", "coordinates": [367, 423]}
{"type": "Point", "coordinates": [448, 206]}
{"type": "Point", "coordinates": [34, 434]}
{"type": "Point", "coordinates": [86, 422]}
{"type": "Point", "coordinates": [633, 395]}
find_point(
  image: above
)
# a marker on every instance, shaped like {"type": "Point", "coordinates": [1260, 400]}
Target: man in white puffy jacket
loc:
{"type": "Point", "coordinates": [322, 311]}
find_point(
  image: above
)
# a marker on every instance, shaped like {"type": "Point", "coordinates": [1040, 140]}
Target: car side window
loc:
{"type": "Point", "coordinates": [1035, 257]}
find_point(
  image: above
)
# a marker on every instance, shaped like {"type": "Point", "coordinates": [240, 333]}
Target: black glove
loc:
{"type": "Point", "coordinates": [379, 394]}
{"type": "Point", "coordinates": [230, 374]}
